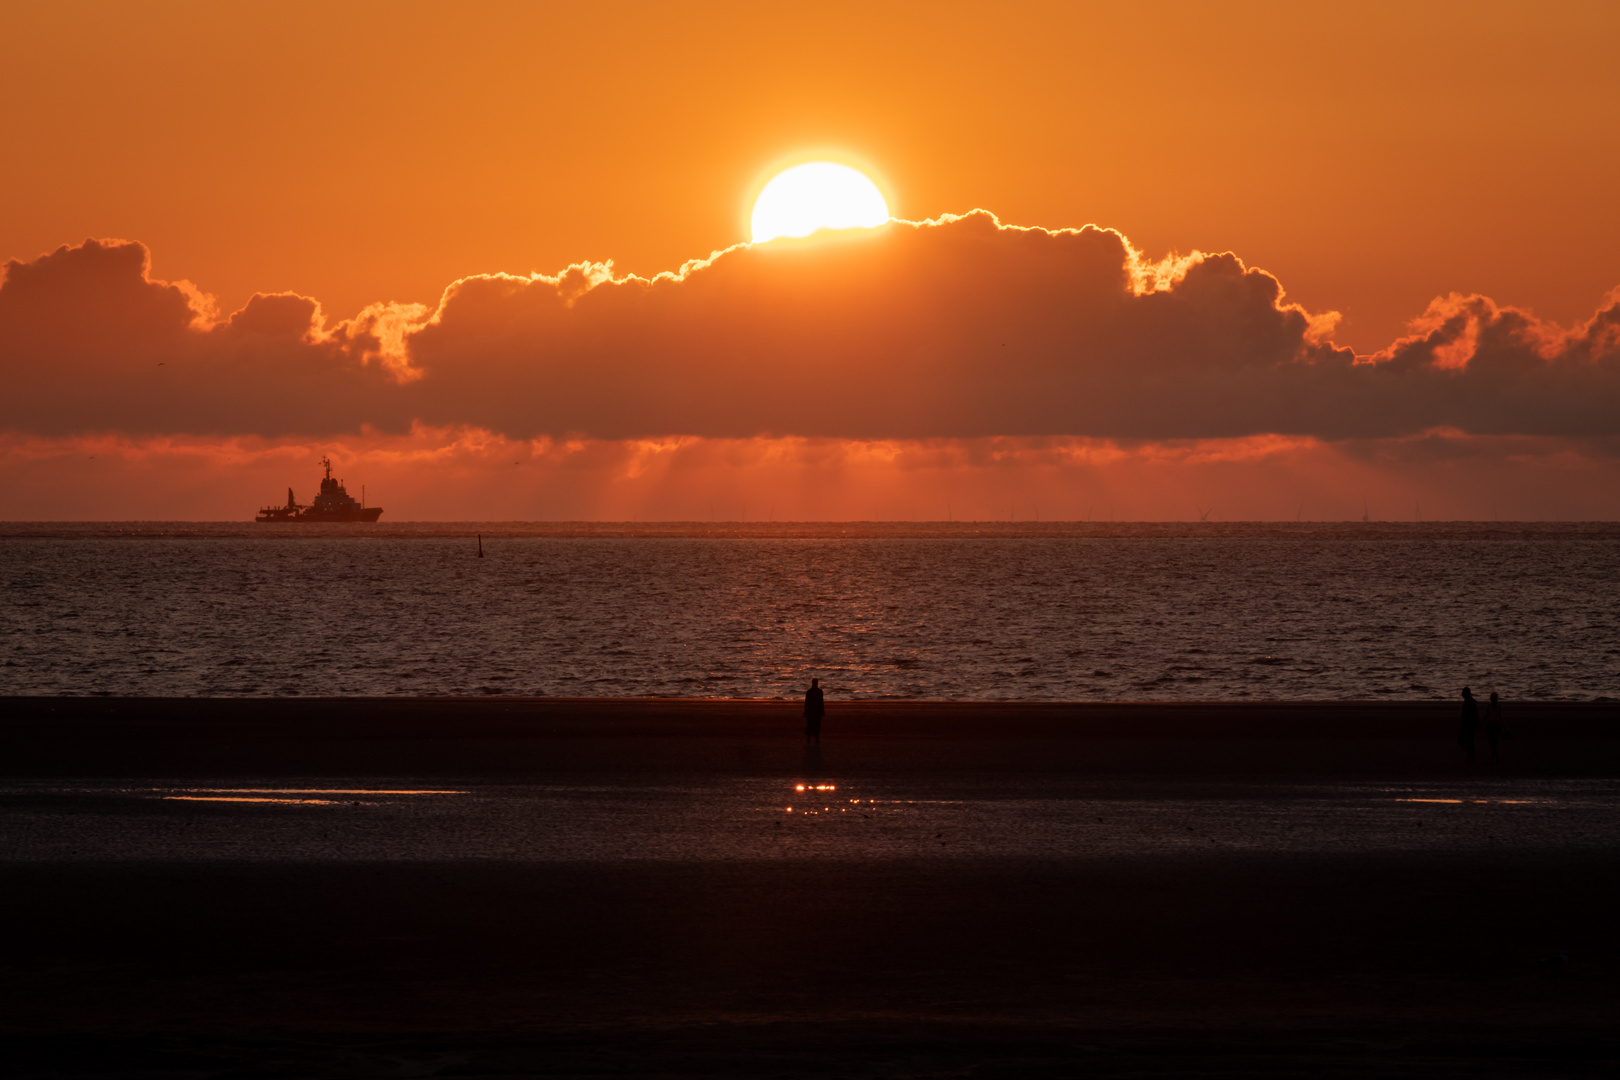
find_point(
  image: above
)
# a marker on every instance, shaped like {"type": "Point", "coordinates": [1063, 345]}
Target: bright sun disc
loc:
{"type": "Point", "coordinates": [819, 195]}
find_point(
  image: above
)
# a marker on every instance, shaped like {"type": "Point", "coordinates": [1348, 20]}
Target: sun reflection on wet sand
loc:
{"type": "Point", "coordinates": [703, 817]}
{"type": "Point", "coordinates": [871, 803]}
{"type": "Point", "coordinates": [1477, 802]}
{"type": "Point", "coordinates": [247, 799]}
{"type": "Point", "coordinates": [319, 791]}
{"type": "Point", "coordinates": [278, 794]}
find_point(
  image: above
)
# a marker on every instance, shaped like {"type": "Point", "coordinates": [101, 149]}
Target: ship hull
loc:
{"type": "Point", "coordinates": [371, 513]}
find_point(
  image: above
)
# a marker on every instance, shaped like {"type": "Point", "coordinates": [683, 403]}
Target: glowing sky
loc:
{"type": "Point", "coordinates": [1408, 215]}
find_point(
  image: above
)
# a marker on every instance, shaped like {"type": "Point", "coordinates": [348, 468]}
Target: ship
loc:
{"type": "Point", "coordinates": [332, 504]}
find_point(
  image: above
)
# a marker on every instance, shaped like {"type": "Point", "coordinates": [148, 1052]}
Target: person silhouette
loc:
{"type": "Point", "coordinates": [1493, 725]}
{"type": "Point", "coordinates": [1470, 721]}
{"type": "Point", "coordinates": [815, 707]}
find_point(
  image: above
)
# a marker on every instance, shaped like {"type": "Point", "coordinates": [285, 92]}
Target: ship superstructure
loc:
{"type": "Point", "coordinates": [333, 504]}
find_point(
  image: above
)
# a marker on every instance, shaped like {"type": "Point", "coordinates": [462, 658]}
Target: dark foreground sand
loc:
{"type": "Point", "coordinates": [1483, 961]}
{"type": "Point", "coordinates": [508, 737]}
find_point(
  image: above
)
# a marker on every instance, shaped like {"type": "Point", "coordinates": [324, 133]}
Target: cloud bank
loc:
{"type": "Point", "coordinates": [959, 328]}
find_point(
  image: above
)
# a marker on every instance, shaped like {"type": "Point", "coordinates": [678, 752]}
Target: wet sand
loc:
{"type": "Point", "coordinates": [1499, 956]}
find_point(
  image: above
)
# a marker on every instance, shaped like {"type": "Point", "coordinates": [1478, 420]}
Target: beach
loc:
{"type": "Point", "coordinates": [744, 541]}
{"type": "Point", "coordinates": [502, 887]}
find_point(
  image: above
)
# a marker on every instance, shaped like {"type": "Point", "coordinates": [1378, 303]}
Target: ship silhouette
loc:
{"type": "Point", "coordinates": [332, 504]}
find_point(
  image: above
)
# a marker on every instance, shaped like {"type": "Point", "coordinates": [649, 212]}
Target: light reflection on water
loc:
{"type": "Point", "coordinates": [1068, 613]}
{"type": "Point", "coordinates": [716, 819]}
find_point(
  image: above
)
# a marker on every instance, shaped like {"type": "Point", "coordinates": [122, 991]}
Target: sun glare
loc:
{"type": "Point", "coordinates": [820, 195]}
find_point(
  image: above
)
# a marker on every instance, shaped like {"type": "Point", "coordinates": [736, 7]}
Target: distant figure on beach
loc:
{"type": "Point", "coordinates": [1470, 721]}
{"type": "Point", "coordinates": [815, 707]}
{"type": "Point", "coordinates": [1493, 725]}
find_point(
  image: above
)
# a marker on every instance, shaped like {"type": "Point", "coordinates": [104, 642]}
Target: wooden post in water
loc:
{"type": "Point", "coordinates": [480, 545]}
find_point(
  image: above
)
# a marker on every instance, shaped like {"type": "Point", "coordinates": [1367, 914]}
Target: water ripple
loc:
{"type": "Point", "coordinates": [878, 611]}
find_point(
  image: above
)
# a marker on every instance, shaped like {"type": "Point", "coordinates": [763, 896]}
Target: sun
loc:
{"type": "Point", "coordinates": [818, 195]}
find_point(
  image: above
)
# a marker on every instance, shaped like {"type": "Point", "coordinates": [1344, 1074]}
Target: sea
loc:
{"type": "Point", "coordinates": [968, 611]}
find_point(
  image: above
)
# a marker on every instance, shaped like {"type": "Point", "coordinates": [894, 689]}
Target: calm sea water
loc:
{"type": "Point", "coordinates": [1039, 612]}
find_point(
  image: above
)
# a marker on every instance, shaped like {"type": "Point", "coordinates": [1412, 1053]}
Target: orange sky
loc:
{"type": "Point", "coordinates": [1371, 157]}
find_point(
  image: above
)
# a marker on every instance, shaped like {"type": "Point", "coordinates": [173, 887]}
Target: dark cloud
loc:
{"type": "Point", "coordinates": [94, 298]}
{"type": "Point", "coordinates": [949, 329]}
{"type": "Point", "coordinates": [88, 342]}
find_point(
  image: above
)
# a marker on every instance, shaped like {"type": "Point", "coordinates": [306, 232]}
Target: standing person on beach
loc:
{"type": "Point", "coordinates": [815, 707]}
{"type": "Point", "coordinates": [1493, 725]}
{"type": "Point", "coordinates": [1470, 721]}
